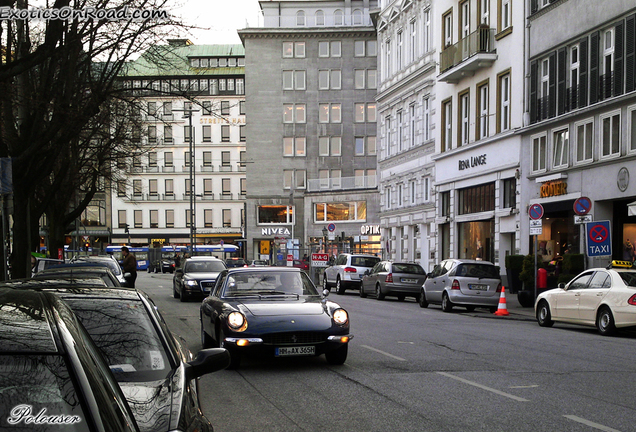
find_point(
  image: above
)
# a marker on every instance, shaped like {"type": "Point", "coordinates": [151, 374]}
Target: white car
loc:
{"type": "Point", "coordinates": [347, 271]}
{"type": "Point", "coordinates": [601, 297]}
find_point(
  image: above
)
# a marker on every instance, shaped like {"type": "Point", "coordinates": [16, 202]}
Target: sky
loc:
{"type": "Point", "coordinates": [220, 18]}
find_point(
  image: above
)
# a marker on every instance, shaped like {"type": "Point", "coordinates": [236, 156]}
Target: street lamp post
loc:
{"type": "Point", "coordinates": [324, 235]}
{"type": "Point", "coordinates": [187, 113]}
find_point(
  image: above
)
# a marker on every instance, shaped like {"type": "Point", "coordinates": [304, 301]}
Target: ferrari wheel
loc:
{"type": "Point", "coordinates": [337, 356]}
{"type": "Point", "coordinates": [447, 305]}
{"type": "Point", "coordinates": [544, 318]}
{"type": "Point", "coordinates": [605, 322]}
{"type": "Point", "coordinates": [422, 300]}
{"type": "Point", "coordinates": [378, 293]}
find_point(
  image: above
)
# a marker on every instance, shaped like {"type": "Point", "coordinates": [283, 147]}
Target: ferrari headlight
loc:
{"type": "Point", "coordinates": [237, 321]}
{"type": "Point", "coordinates": [340, 316]}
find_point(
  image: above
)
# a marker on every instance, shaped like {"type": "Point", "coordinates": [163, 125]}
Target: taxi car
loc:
{"type": "Point", "coordinates": [273, 311]}
{"type": "Point", "coordinates": [604, 298]}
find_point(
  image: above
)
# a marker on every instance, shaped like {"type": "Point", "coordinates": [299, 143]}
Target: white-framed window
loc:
{"type": "Point", "coordinates": [447, 122]}
{"type": "Point", "coordinates": [400, 195]}
{"type": "Point", "coordinates": [323, 177]}
{"type": "Point", "coordinates": [505, 20]}
{"type": "Point", "coordinates": [338, 17]}
{"type": "Point", "coordinates": [294, 113]}
{"type": "Point", "coordinates": [610, 134]}
{"type": "Point", "coordinates": [447, 21]}
{"type": "Point", "coordinates": [335, 48]}
{"type": "Point", "coordinates": [320, 17]}
{"type": "Point", "coordinates": [336, 178]}
{"type": "Point", "coordinates": [426, 192]}
{"type": "Point", "coordinates": [426, 118]}
{"type": "Point", "coordinates": [329, 113]}
{"type": "Point", "coordinates": [413, 44]}
{"type": "Point", "coordinates": [387, 197]}
{"type": "Point", "coordinates": [426, 33]}
{"type": "Point", "coordinates": [357, 17]}
{"type": "Point", "coordinates": [400, 132]}
{"type": "Point", "coordinates": [294, 146]}
{"type": "Point", "coordinates": [584, 140]}
{"type": "Point", "coordinates": [387, 58]}
{"type": "Point", "coordinates": [504, 102]}
{"type": "Point", "coordinates": [323, 49]}
{"type": "Point", "coordinates": [359, 81]}
{"type": "Point", "coordinates": [465, 18]}
{"type": "Point", "coordinates": [359, 146]}
{"type": "Point", "coordinates": [412, 192]}
{"type": "Point", "coordinates": [359, 48]}
{"type": "Point", "coordinates": [539, 153]}
{"type": "Point", "coordinates": [372, 78]}
{"type": "Point", "coordinates": [335, 146]}
{"type": "Point", "coordinates": [300, 18]}
{"type": "Point", "coordinates": [412, 124]}
{"type": "Point", "coordinates": [464, 112]}
{"type": "Point", "coordinates": [329, 79]}
{"type": "Point", "coordinates": [482, 92]}
{"type": "Point", "coordinates": [399, 51]}
{"type": "Point", "coordinates": [484, 10]}
{"type": "Point", "coordinates": [574, 69]}
{"type": "Point", "coordinates": [631, 128]}
{"type": "Point", "coordinates": [294, 80]}
{"type": "Point", "coordinates": [560, 148]}
{"type": "Point", "coordinates": [372, 48]}
{"type": "Point", "coordinates": [371, 145]}
{"type": "Point", "coordinates": [608, 52]}
{"type": "Point", "coordinates": [388, 144]}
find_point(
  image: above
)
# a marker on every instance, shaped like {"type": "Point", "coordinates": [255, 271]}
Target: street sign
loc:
{"type": "Point", "coordinates": [598, 238]}
{"type": "Point", "coordinates": [578, 220]}
{"type": "Point", "coordinates": [331, 227]}
{"type": "Point", "coordinates": [319, 259]}
{"type": "Point", "coordinates": [536, 223]}
{"type": "Point", "coordinates": [582, 206]}
{"type": "Point", "coordinates": [535, 211]}
{"type": "Point", "coordinates": [536, 230]}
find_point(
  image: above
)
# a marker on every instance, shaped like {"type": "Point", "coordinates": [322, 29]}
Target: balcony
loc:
{"type": "Point", "coordinates": [207, 196]}
{"type": "Point", "coordinates": [226, 196]}
{"type": "Point", "coordinates": [342, 183]}
{"type": "Point", "coordinates": [474, 52]}
{"type": "Point", "coordinates": [207, 168]}
{"type": "Point", "coordinates": [225, 168]}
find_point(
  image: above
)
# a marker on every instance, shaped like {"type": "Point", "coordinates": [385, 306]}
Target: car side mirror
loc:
{"type": "Point", "coordinates": [367, 272]}
{"type": "Point", "coordinates": [325, 293]}
{"type": "Point", "coordinates": [127, 275]}
{"type": "Point", "coordinates": [561, 285]}
{"type": "Point", "coordinates": [206, 361]}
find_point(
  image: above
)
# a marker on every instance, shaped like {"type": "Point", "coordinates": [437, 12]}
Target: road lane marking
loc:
{"type": "Point", "coordinates": [383, 353]}
{"type": "Point", "coordinates": [483, 387]}
{"type": "Point", "coordinates": [589, 423]}
{"type": "Point", "coordinates": [524, 386]}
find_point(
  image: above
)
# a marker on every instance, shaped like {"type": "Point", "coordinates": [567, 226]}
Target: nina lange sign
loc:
{"type": "Point", "coordinates": [472, 161]}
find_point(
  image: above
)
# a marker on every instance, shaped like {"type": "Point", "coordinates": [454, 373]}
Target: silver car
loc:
{"type": "Point", "coordinates": [400, 279]}
{"type": "Point", "coordinates": [460, 282]}
{"type": "Point", "coordinates": [347, 270]}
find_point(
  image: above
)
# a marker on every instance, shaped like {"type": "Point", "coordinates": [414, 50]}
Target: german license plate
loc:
{"type": "Point", "coordinates": [409, 280]}
{"type": "Point", "coordinates": [478, 287]}
{"type": "Point", "coordinates": [295, 351]}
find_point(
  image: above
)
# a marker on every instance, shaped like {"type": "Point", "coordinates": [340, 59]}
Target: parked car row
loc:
{"type": "Point", "coordinates": [118, 365]}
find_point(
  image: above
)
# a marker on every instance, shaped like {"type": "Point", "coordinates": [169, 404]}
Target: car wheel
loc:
{"type": "Point", "coordinates": [470, 308]}
{"type": "Point", "coordinates": [378, 292]}
{"type": "Point", "coordinates": [447, 305]}
{"type": "Point", "coordinates": [206, 339]}
{"type": "Point", "coordinates": [337, 356]}
{"type": "Point", "coordinates": [605, 322]}
{"type": "Point", "coordinates": [175, 293]}
{"type": "Point", "coordinates": [422, 300]}
{"type": "Point", "coordinates": [401, 297]}
{"type": "Point", "coordinates": [235, 357]}
{"type": "Point", "coordinates": [340, 289]}
{"type": "Point", "coordinates": [362, 293]}
{"type": "Point", "coordinates": [325, 284]}
{"type": "Point", "coordinates": [544, 318]}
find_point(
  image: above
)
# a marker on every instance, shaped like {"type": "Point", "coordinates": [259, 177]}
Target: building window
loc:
{"type": "Point", "coordinates": [169, 218]}
{"type": "Point", "coordinates": [243, 186]}
{"type": "Point", "coordinates": [509, 193]}
{"type": "Point", "coordinates": [154, 218]}
{"type": "Point", "coordinates": [484, 11]}
{"type": "Point", "coordinates": [300, 18]}
{"type": "Point", "coordinates": [400, 131]}
{"type": "Point", "coordinates": [413, 44]}
{"type": "Point", "coordinates": [447, 28]}
{"type": "Point", "coordinates": [387, 197]}
{"type": "Point", "coordinates": [294, 146]}
{"type": "Point", "coordinates": [187, 134]}
{"type": "Point", "coordinates": [207, 133]}
{"type": "Point", "coordinates": [121, 188]}
{"type": "Point", "coordinates": [505, 14]}
{"type": "Point", "coordinates": [359, 146]}
{"type": "Point", "coordinates": [426, 192]}
{"type": "Point", "coordinates": [121, 219]}
{"type": "Point", "coordinates": [188, 218]}
{"type": "Point", "coordinates": [359, 79]}
{"type": "Point", "coordinates": [357, 17]}
{"type": "Point", "coordinates": [444, 204]}
{"type": "Point", "coordinates": [225, 133]}
{"type": "Point", "coordinates": [611, 134]}
{"type": "Point", "coordinates": [338, 17]}
{"type": "Point", "coordinates": [476, 199]}
{"type": "Point", "coordinates": [168, 159]}
{"type": "Point", "coordinates": [152, 134]}
{"type": "Point", "coordinates": [447, 128]}
{"type": "Point", "coordinates": [426, 119]}
{"type": "Point", "coordinates": [207, 187]}
{"type": "Point", "coordinates": [399, 53]}
{"type": "Point", "coordinates": [631, 131]}
{"type": "Point", "coordinates": [169, 187]}
{"type": "Point", "coordinates": [539, 151]}
{"type": "Point", "coordinates": [226, 186]}
{"type": "Point", "coordinates": [387, 58]}
{"type": "Point", "coordinates": [426, 34]}
{"type": "Point", "coordinates": [167, 108]}
{"type": "Point", "coordinates": [227, 218]}
{"type": "Point", "coordinates": [560, 145]}
{"type": "Point", "coordinates": [294, 80]}
{"type": "Point", "coordinates": [294, 113]}
{"type": "Point", "coordinates": [138, 215]}
{"type": "Point", "coordinates": [207, 218]}
{"type": "Point", "coordinates": [225, 159]}
{"type": "Point", "coordinates": [464, 118]}
{"type": "Point", "coordinates": [320, 18]}
{"type": "Point", "coordinates": [359, 48]}
{"type": "Point", "coordinates": [137, 188]}
{"type": "Point", "coordinates": [412, 192]}
{"type": "Point", "coordinates": [152, 187]}
{"type": "Point", "coordinates": [274, 214]}
{"type": "Point", "coordinates": [504, 102]}
{"type": "Point", "coordinates": [482, 111]}
{"type": "Point", "coordinates": [329, 113]}
{"type": "Point", "coordinates": [412, 125]}
{"type": "Point", "coordinates": [167, 134]}
{"type": "Point", "coordinates": [293, 49]}
{"type": "Point", "coordinates": [584, 144]}
{"type": "Point", "coordinates": [340, 211]}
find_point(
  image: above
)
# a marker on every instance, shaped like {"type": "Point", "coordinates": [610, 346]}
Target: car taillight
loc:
{"type": "Point", "coordinates": [499, 287]}
{"type": "Point", "coordinates": [389, 278]}
{"type": "Point", "coordinates": [632, 300]}
{"type": "Point", "coordinates": [455, 284]}
{"type": "Point", "coordinates": [350, 270]}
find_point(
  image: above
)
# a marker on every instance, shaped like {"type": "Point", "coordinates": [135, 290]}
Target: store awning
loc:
{"type": "Point", "coordinates": [631, 209]}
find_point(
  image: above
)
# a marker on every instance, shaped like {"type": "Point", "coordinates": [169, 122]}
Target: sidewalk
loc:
{"type": "Point", "coordinates": [516, 310]}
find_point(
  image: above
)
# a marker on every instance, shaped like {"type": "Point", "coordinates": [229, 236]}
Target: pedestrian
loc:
{"type": "Point", "coordinates": [177, 260]}
{"type": "Point", "coordinates": [130, 267]}
{"type": "Point", "coordinates": [628, 251]}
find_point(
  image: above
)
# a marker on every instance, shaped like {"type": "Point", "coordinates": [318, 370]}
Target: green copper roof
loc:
{"type": "Point", "coordinates": [171, 60]}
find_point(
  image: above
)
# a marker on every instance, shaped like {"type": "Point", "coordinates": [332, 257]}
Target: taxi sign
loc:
{"type": "Point", "coordinates": [598, 238]}
{"type": "Point", "coordinates": [620, 264]}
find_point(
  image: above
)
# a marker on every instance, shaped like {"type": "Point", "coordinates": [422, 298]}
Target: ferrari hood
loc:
{"type": "Point", "coordinates": [266, 308]}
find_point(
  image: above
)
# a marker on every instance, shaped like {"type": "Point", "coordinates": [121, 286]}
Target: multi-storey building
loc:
{"type": "Point", "coordinates": [479, 108]}
{"type": "Point", "coordinates": [311, 72]}
{"type": "Point", "coordinates": [406, 97]}
{"type": "Point", "coordinates": [192, 100]}
{"type": "Point", "coordinates": [582, 83]}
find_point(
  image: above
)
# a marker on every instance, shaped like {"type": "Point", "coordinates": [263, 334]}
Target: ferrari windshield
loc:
{"type": "Point", "coordinates": [268, 283]}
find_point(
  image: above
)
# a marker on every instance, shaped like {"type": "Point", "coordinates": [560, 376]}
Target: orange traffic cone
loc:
{"type": "Point", "coordinates": [503, 308]}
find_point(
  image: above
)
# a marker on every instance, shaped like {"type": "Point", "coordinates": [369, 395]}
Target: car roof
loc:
{"type": "Point", "coordinates": [27, 322]}
{"type": "Point", "coordinates": [203, 258]}
{"type": "Point", "coordinates": [41, 284]}
{"type": "Point", "coordinates": [78, 267]}
{"type": "Point", "coordinates": [264, 269]}
{"type": "Point", "coordinates": [469, 261]}
{"type": "Point", "coordinates": [72, 286]}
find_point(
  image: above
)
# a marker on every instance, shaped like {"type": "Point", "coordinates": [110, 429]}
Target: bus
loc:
{"type": "Point", "coordinates": [143, 253]}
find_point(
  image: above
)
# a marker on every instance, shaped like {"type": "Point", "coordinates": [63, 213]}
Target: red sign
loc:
{"type": "Point", "coordinates": [319, 257]}
{"type": "Point", "coordinates": [582, 206]}
{"type": "Point", "coordinates": [290, 257]}
{"type": "Point", "coordinates": [535, 211]}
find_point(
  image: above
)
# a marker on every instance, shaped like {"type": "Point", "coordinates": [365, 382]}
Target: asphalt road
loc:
{"type": "Point", "coordinates": [414, 369]}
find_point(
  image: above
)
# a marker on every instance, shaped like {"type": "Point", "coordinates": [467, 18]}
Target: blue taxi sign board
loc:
{"type": "Point", "coordinates": [598, 239]}
{"type": "Point", "coordinates": [582, 206]}
{"type": "Point", "coordinates": [535, 211]}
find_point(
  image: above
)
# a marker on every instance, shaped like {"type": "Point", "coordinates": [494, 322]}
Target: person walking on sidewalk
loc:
{"type": "Point", "coordinates": [130, 267]}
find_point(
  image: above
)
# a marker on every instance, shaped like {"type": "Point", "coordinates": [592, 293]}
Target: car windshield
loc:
{"type": "Point", "coordinates": [408, 268]}
{"type": "Point", "coordinates": [478, 271]}
{"type": "Point", "coordinates": [364, 261]}
{"type": "Point", "coordinates": [628, 277]}
{"type": "Point", "coordinates": [124, 332]}
{"type": "Point", "coordinates": [256, 283]}
{"type": "Point", "coordinates": [204, 266]}
{"type": "Point", "coordinates": [38, 382]}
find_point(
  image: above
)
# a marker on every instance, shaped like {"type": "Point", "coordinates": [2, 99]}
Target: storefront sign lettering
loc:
{"type": "Point", "coordinates": [551, 189]}
{"type": "Point", "coordinates": [275, 231]}
{"type": "Point", "coordinates": [214, 120]}
{"type": "Point", "coordinates": [472, 162]}
{"type": "Point", "coordinates": [370, 230]}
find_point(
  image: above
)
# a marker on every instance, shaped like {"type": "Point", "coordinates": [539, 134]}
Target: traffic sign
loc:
{"type": "Point", "coordinates": [536, 223]}
{"type": "Point", "coordinates": [582, 206]}
{"type": "Point", "coordinates": [331, 227]}
{"type": "Point", "coordinates": [598, 238]}
{"type": "Point", "coordinates": [535, 211]}
{"type": "Point", "coordinates": [579, 220]}
{"type": "Point", "coordinates": [536, 230]}
{"type": "Point", "coordinates": [319, 259]}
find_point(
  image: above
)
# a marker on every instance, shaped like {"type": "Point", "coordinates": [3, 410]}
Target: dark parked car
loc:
{"type": "Point", "coordinates": [461, 282]}
{"type": "Point", "coordinates": [80, 270]}
{"type": "Point", "coordinates": [44, 263]}
{"type": "Point", "coordinates": [106, 261]}
{"type": "Point", "coordinates": [155, 370]}
{"type": "Point", "coordinates": [167, 265]}
{"type": "Point", "coordinates": [235, 262]}
{"type": "Point", "coordinates": [389, 278]}
{"type": "Point", "coordinates": [50, 365]}
{"type": "Point", "coordinates": [196, 277]}
{"type": "Point", "coordinates": [275, 311]}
